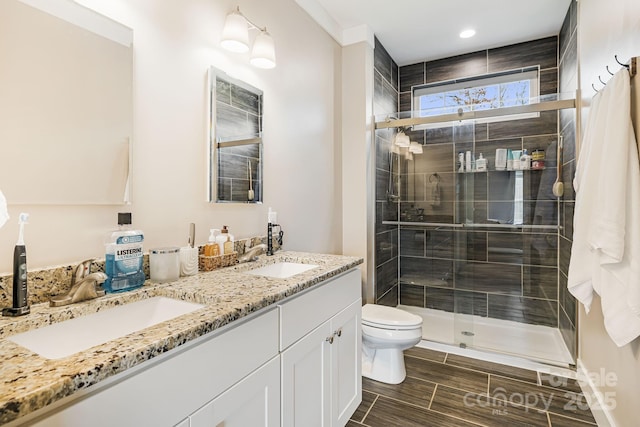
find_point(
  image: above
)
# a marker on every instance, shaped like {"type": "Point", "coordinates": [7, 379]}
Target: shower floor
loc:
{"type": "Point", "coordinates": [533, 342]}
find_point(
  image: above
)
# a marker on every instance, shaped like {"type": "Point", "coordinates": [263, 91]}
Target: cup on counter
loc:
{"type": "Point", "coordinates": [188, 261]}
{"type": "Point", "coordinates": [164, 264]}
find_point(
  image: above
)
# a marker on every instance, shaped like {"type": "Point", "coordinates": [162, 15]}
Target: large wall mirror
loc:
{"type": "Point", "coordinates": [66, 104]}
{"type": "Point", "coordinates": [235, 140]}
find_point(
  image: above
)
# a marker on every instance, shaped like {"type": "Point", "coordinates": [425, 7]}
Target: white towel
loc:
{"type": "Point", "coordinates": [435, 191]}
{"type": "Point", "coordinates": [605, 255]}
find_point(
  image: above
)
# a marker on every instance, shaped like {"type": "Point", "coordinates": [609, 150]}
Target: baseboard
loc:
{"type": "Point", "coordinates": [599, 407]}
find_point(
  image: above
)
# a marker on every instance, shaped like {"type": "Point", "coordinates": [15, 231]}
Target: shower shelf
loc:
{"type": "Point", "coordinates": [473, 225]}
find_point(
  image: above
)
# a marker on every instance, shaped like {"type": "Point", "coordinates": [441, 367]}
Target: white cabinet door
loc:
{"type": "Point", "coordinates": [254, 401]}
{"type": "Point", "coordinates": [305, 380]}
{"type": "Point", "coordinates": [346, 359]}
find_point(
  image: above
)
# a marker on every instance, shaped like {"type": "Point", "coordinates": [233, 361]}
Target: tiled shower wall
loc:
{"type": "Point", "coordinates": [238, 116]}
{"type": "Point", "coordinates": [568, 83]}
{"type": "Point", "coordinates": [509, 274]}
{"type": "Point", "coordinates": [385, 102]}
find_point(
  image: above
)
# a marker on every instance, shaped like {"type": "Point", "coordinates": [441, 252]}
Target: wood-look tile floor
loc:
{"type": "Point", "coordinates": [448, 390]}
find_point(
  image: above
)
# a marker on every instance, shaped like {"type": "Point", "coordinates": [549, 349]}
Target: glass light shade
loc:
{"type": "Point", "coordinates": [415, 148]}
{"type": "Point", "coordinates": [235, 34]}
{"type": "Point", "coordinates": [263, 54]}
{"type": "Point", "coordinates": [402, 140]}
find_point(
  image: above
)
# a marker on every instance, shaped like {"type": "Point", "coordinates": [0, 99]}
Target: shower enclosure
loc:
{"type": "Point", "coordinates": [475, 252]}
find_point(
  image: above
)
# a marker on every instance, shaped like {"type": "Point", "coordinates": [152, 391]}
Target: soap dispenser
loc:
{"type": "Point", "coordinates": [222, 239]}
{"type": "Point", "coordinates": [212, 248]}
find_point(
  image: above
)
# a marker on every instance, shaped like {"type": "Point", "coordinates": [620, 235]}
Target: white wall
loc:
{"type": "Point", "coordinates": [174, 44]}
{"type": "Point", "coordinates": [607, 28]}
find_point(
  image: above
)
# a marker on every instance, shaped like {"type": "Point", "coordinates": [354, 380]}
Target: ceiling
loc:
{"type": "Point", "coordinates": [418, 30]}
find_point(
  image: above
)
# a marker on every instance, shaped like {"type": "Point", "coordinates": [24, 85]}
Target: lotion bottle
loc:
{"type": "Point", "coordinates": [222, 239]}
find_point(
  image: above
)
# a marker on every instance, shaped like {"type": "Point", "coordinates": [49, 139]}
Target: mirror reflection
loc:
{"type": "Point", "coordinates": [66, 110]}
{"type": "Point", "coordinates": [235, 142]}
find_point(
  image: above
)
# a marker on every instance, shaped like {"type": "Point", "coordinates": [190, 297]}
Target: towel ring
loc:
{"type": "Point", "coordinates": [436, 176]}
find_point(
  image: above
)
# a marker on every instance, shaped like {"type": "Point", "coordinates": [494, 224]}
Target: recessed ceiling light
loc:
{"type": "Point", "coordinates": [467, 33]}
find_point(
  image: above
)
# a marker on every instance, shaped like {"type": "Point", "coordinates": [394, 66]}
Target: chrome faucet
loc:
{"type": "Point", "coordinates": [252, 254]}
{"type": "Point", "coordinates": [84, 286]}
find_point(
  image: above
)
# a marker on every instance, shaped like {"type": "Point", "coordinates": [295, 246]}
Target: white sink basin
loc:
{"type": "Point", "coordinates": [282, 270]}
{"type": "Point", "coordinates": [71, 336]}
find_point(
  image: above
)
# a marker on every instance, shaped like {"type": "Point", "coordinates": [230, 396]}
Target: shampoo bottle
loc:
{"type": "Point", "coordinates": [124, 256]}
{"type": "Point", "coordinates": [481, 164]}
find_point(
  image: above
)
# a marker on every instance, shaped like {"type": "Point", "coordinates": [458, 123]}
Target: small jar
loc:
{"type": "Point", "coordinates": [164, 264]}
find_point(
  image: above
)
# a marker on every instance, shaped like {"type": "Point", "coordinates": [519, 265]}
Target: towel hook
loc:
{"type": "Point", "coordinates": [594, 87]}
{"type": "Point", "coordinates": [599, 78]}
{"type": "Point", "coordinates": [624, 65]}
{"type": "Point", "coordinates": [609, 71]}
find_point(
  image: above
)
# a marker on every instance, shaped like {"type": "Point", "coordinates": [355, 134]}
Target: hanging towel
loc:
{"type": "Point", "coordinates": [434, 182]}
{"type": "Point", "coordinates": [605, 255]}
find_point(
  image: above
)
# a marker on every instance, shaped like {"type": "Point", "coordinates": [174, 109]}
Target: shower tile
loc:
{"type": "Point", "coordinates": [488, 277]}
{"type": "Point", "coordinates": [386, 277]}
{"type": "Point", "coordinates": [426, 271]}
{"type": "Point", "coordinates": [386, 246]}
{"type": "Point", "coordinates": [412, 242]}
{"type": "Point", "coordinates": [569, 142]}
{"type": "Point", "coordinates": [524, 310]}
{"type": "Point", "coordinates": [439, 135]}
{"type": "Point", "coordinates": [540, 282]}
{"type": "Point", "coordinates": [567, 219]}
{"type": "Point", "coordinates": [390, 298]}
{"type": "Point", "coordinates": [456, 67]}
{"type": "Point", "coordinates": [440, 244]}
{"type": "Point", "coordinates": [475, 212]}
{"type": "Point", "coordinates": [382, 61]}
{"type": "Point", "coordinates": [568, 332]}
{"type": "Point", "coordinates": [485, 411]}
{"type": "Point", "coordinates": [565, 33]}
{"type": "Point", "coordinates": [417, 136]}
{"type": "Point", "coordinates": [567, 301]}
{"type": "Point", "coordinates": [412, 75]}
{"type": "Point", "coordinates": [549, 81]}
{"type": "Point", "coordinates": [385, 211]}
{"type": "Point", "coordinates": [542, 52]}
{"type": "Point", "coordinates": [435, 158]}
{"type": "Point", "coordinates": [505, 247]}
{"type": "Point", "coordinates": [383, 146]}
{"type": "Point", "coordinates": [245, 100]}
{"type": "Point", "coordinates": [480, 185]}
{"type": "Point", "coordinates": [404, 101]}
{"type": "Point", "coordinates": [541, 212]}
{"type": "Point", "coordinates": [415, 185]}
{"type": "Point", "coordinates": [546, 123]}
{"type": "Point", "coordinates": [439, 299]}
{"type": "Point", "coordinates": [470, 245]}
{"type": "Point", "coordinates": [569, 66]}
{"type": "Point", "coordinates": [464, 132]}
{"type": "Point", "coordinates": [540, 249]}
{"type": "Point", "coordinates": [568, 172]}
{"type": "Point", "coordinates": [565, 255]}
{"type": "Point", "coordinates": [481, 132]}
{"type": "Point", "coordinates": [531, 184]}
{"type": "Point", "coordinates": [412, 295]}
{"type": "Point", "coordinates": [470, 303]}
{"type": "Point", "coordinates": [382, 184]}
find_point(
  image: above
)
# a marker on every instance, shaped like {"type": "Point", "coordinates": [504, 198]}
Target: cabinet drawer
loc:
{"type": "Point", "coordinates": [307, 311]}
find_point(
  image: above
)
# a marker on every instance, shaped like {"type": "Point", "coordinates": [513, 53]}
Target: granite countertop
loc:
{"type": "Point", "coordinates": [29, 382]}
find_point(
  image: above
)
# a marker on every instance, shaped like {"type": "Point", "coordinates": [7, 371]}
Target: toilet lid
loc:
{"type": "Point", "coordinates": [389, 317]}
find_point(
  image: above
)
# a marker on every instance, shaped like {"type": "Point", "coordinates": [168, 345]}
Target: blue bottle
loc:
{"type": "Point", "coordinates": [123, 257]}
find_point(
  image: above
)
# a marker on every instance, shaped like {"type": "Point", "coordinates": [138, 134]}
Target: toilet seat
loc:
{"type": "Point", "coordinates": [383, 317]}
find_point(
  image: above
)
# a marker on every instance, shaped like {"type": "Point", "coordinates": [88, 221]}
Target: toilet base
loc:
{"type": "Point", "coordinates": [385, 365]}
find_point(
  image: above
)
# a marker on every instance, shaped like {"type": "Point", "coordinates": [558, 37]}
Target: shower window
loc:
{"type": "Point", "coordinates": [495, 91]}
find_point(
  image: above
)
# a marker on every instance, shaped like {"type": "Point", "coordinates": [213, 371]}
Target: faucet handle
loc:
{"type": "Point", "coordinates": [81, 271]}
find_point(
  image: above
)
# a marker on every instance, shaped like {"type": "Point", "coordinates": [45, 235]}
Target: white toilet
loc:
{"type": "Point", "coordinates": [386, 332]}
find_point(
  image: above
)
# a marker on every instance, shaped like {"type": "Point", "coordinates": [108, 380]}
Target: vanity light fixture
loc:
{"type": "Point", "coordinates": [235, 38]}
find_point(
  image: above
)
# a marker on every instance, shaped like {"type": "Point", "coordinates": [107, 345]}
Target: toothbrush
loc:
{"type": "Point", "coordinates": [20, 303]}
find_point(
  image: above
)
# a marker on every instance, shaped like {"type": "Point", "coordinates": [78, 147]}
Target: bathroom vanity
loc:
{"type": "Point", "coordinates": [263, 350]}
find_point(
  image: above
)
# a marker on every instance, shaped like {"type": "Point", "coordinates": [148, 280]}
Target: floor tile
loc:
{"type": "Point", "coordinates": [557, 381]}
{"type": "Point", "coordinates": [391, 413]}
{"type": "Point", "coordinates": [560, 421]}
{"type": "Point", "coordinates": [540, 397]}
{"type": "Point", "coordinates": [425, 353]}
{"type": "Point", "coordinates": [493, 368]}
{"type": "Point", "coordinates": [365, 405]}
{"type": "Point", "coordinates": [485, 411]}
{"type": "Point", "coordinates": [441, 373]}
{"type": "Point", "coordinates": [412, 390]}
{"type": "Point", "coordinates": [352, 423]}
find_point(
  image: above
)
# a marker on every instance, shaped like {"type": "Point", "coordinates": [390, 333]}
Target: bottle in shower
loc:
{"type": "Point", "coordinates": [123, 257]}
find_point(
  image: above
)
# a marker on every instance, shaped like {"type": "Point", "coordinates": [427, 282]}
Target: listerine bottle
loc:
{"type": "Point", "coordinates": [123, 257]}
